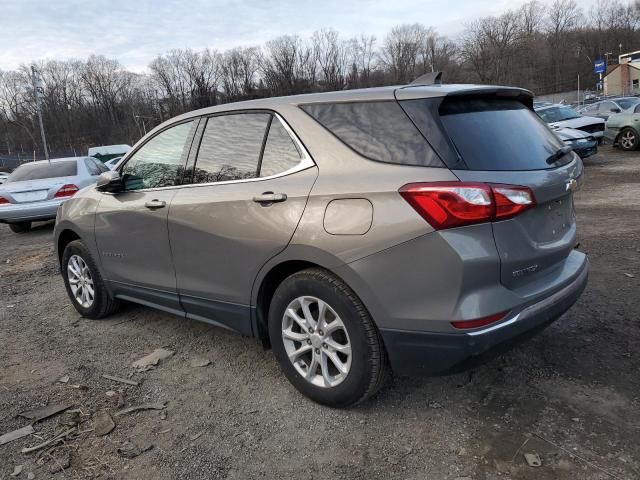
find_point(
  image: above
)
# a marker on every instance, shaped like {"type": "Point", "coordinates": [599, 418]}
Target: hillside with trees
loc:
{"type": "Point", "coordinates": [96, 101]}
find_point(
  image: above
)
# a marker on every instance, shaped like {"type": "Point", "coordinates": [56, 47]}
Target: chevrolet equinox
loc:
{"type": "Point", "coordinates": [401, 229]}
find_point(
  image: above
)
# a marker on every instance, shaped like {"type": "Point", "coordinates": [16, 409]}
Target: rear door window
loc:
{"type": "Point", "coordinates": [41, 171]}
{"type": "Point", "coordinates": [380, 131]}
{"type": "Point", "coordinates": [491, 133]}
{"type": "Point", "coordinates": [230, 147]}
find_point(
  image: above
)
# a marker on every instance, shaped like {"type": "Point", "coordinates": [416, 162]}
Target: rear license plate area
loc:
{"type": "Point", "coordinates": [560, 216]}
{"type": "Point", "coordinates": [36, 196]}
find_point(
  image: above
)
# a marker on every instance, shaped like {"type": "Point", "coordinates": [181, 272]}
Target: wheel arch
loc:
{"type": "Point", "coordinates": [292, 260]}
{"type": "Point", "coordinates": [64, 238]}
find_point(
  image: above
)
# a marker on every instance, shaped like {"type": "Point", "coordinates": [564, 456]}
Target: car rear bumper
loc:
{"type": "Point", "coordinates": [27, 212]}
{"type": "Point", "coordinates": [586, 149]}
{"type": "Point", "coordinates": [427, 353]}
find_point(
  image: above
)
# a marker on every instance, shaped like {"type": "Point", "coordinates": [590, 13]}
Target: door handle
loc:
{"type": "Point", "coordinates": [267, 198]}
{"type": "Point", "coordinates": [155, 204]}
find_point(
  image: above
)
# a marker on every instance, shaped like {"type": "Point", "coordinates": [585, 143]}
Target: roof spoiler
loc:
{"type": "Point", "coordinates": [430, 78]}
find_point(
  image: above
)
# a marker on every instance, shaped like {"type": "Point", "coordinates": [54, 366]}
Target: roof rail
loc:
{"type": "Point", "coordinates": [430, 78]}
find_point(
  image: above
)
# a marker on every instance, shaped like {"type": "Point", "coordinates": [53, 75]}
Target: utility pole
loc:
{"type": "Point", "coordinates": [38, 93]}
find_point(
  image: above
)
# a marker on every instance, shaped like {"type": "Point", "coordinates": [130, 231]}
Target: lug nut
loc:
{"type": "Point", "coordinates": [308, 342]}
{"type": "Point", "coordinates": [317, 350]}
{"type": "Point", "coordinates": [324, 345]}
{"type": "Point", "coordinates": [320, 332]}
{"type": "Point", "coordinates": [311, 330]}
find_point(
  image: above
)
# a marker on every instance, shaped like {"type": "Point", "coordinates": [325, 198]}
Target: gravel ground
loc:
{"type": "Point", "coordinates": [570, 395]}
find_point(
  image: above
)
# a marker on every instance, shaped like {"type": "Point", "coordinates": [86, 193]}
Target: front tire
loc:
{"type": "Point", "coordinates": [20, 227]}
{"type": "Point", "coordinates": [628, 140]}
{"type": "Point", "coordinates": [325, 340]}
{"type": "Point", "coordinates": [84, 283]}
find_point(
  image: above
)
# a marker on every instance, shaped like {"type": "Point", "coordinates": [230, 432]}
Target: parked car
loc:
{"type": "Point", "coordinates": [111, 164]}
{"type": "Point", "coordinates": [354, 232]}
{"type": "Point", "coordinates": [610, 106]}
{"type": "Point", "coordinates": [34, 191]}
{"type": "Point", "coordinates": [623, 129]}
{"type": "Point", "coordinates": [107, 152]}
{"type": "Point", "coordinates": [3, 177]}
{"type": "Point", "coordinates": [582, 143]}
{"type": "Point", "coordinates": [564, 116]}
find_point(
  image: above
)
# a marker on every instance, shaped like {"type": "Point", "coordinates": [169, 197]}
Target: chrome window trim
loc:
{"type": "Point", "coordinates": [305, 162]}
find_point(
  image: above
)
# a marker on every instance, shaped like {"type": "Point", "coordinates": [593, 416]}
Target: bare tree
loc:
{"type": "Point", "coordinates": [363, 57]}
{"type": "Point", "coordinates": [332, 56]}
{"type": "Point", "coordinates": [288, 66]}
{"type": "Point", "coordinates": [402, 49]}
{"type": "Point", "coordinates": [239, 67]}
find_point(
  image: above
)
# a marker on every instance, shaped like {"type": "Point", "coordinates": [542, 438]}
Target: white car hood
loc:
{"type": "Point", "coordinates": [577, 122]}
{"type": "Point", "coordinates": [569, 133]}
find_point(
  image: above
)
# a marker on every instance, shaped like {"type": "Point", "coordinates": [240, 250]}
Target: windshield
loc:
{"type": "Point", "coordinates": [557, 114]}
{"type": "Point", "coordinates": [40, 171]}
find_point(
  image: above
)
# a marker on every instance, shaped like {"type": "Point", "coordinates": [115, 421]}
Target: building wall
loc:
{"type": "Point", "coordinates": [624, 80]}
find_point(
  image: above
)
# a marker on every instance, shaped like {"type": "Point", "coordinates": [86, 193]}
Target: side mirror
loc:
{"type": "Point", "coordinates": [109, 182]}
{"type": "Point", "coordinates": [615, 110]}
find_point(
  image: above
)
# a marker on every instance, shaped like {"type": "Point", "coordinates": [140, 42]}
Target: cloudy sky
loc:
{"type": "Point", "coordinates": [135, 31]}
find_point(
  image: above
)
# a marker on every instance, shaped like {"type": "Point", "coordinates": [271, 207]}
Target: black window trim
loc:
{"type": "Point", "coordinates": [306, 161]}
{"type": "Point", "coordinates": [342, 142]}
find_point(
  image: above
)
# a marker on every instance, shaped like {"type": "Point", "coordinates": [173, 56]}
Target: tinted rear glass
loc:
{"type": "Point", "coordinates": [40, 171]}
{"type": "Point", "coordinates": [377, 130]}
{"type": "Point", "coordinates": [499, 134]}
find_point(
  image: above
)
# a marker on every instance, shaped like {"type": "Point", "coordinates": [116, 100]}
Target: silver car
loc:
{"type": "Point", "coordinates": [356, 233]}
{"type": "Point", "coordinates": [35, 190]}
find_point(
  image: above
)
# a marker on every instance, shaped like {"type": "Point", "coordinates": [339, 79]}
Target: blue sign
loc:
{"type": "Point", "coordinates": [600, 66]}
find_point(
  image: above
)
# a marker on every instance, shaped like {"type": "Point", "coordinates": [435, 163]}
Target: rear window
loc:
{"type": "Point", "coordinates": [40, 171]}
{"type": "Point", "coordinates": [380, 131]}
{"type": "Point", "coordinates": [489, 133]}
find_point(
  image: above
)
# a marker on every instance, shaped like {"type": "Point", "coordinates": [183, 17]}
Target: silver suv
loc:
{"type": "Point", "coordinates": [359, 232]}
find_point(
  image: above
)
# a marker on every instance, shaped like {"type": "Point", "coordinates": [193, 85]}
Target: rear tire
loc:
{"type": "Point", "coordinates": [84, 283]}
{"type": "Point", "coordinates": [20, 227]}
{"type": "Point", "coordinates": [341, 366]}
{"type": "Point", "coordinates": [629, 140]}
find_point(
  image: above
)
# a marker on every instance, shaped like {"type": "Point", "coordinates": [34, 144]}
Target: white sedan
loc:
{"type": "Point", "coordinates": [564, 116]}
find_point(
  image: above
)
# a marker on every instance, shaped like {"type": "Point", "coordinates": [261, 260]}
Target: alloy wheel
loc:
{"type": "Point", "coordinates": [80, 281]}
{"type": "Point", "coordinates": [316, 341]}
{"type": "Point", "coordinates": [627, 140]}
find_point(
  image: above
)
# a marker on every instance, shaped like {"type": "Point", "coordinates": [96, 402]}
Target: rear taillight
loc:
{"type": "Point", "coordinates": [478, 322]}
{"type": "Point", "coordinates": [4, 201]}
{"type": "Point", "coordinates": [511, 200]}
{"type": "Point", "coordinates": [454, 204]}
{"type": "Point", "coordinates": [68, 190]}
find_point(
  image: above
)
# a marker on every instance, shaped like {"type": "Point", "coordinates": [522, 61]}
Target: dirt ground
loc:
{"type": "Point", "coordinates": [570, 395]}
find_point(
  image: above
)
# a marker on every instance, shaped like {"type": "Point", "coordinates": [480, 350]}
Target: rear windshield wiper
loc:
{"type": "Point", "coordinates": [553, 158]}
